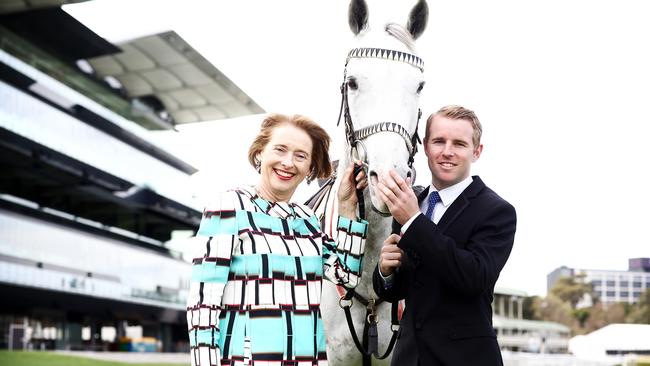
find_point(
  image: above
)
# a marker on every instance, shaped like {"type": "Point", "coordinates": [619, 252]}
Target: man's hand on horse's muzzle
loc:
{"type": "Point", "coordinates": [398, 196]}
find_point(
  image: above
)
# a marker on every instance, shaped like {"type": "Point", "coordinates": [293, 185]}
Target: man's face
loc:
{"type": "Point", "coordinates": [450, 150]}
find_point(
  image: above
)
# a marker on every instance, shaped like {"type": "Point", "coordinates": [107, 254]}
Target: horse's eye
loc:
{"type": "Point", "coordinates": [420, 87]}
{"type": "Point", "coordinates": [352, 83]}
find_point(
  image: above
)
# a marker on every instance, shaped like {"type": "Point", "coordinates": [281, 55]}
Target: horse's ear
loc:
{"type": "Point", "coordinates": [357, 15]}
{"type": "Point", "coordinates": [418, 19]}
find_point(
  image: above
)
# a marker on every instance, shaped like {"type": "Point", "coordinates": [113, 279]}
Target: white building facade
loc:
{"type": "Point", "coordinates": [514, 333]}
{"type": "Point", "coordinates": [608, 285]}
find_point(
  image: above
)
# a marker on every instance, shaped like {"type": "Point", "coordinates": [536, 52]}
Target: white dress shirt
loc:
{"type": "Point", "coordinates": [447, 197]}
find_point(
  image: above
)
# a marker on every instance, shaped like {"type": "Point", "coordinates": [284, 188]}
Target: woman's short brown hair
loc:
{"type": "Point", "coordinates": [320, 162]}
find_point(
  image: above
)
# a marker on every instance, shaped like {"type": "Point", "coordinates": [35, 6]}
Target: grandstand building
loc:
{"type": "Point", "coordinates": [514, 333]}
{"type": "Point", "coordinates": [87, 200]}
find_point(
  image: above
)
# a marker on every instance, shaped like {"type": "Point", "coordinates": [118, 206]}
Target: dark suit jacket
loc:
{"type": "Point", "coordinates": [447, 278]}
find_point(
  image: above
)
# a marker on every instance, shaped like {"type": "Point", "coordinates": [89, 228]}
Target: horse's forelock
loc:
{"type": "Point", "coordinates": [400, 33]}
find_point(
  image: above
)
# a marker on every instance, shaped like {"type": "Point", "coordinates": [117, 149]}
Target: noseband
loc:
{"type": "Point", "coordinates": [355, 137]}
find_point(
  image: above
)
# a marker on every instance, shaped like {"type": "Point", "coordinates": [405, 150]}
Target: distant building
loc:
{"type": "Point", "coordinates": [515, 333]}
{"type": "Point", "coordinates": [608, 285]}
{"type": "Point", "coordinates": [556, 274]}
{"type": "Point", "coordinates": [639, 264]}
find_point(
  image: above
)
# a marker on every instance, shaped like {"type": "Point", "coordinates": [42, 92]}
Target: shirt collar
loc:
{"type": "Point", "coordinates": [449, 194]}
{"type": "Point", "coordinates": [277, 209]}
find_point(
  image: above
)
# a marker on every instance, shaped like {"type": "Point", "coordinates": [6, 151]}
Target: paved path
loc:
{"type": "Point", "coordinates": [133, 357]}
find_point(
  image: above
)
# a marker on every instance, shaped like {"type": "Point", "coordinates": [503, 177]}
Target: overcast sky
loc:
{"type": "Point", "coordinates": [562, 88]}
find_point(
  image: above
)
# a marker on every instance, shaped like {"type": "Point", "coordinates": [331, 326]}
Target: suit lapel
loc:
{"type": "Point", "coordinates": [461, 203]}
{"type": "Point", "coordinates": [423, 194]}
{"type": "Point", "coordinates": [456, 208]}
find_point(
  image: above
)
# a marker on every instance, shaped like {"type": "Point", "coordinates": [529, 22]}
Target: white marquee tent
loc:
{"type": "Point", "coordinates": [612, 340]}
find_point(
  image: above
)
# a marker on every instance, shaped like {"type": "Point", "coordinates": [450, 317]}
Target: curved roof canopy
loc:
{"type": "Point", "coordinates": [187, 85]}
{"type": "Point", "coordinates": [164, 80]}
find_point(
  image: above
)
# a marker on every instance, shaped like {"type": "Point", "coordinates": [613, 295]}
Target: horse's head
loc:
{"type": "Point", "coordinates": [383, 80]}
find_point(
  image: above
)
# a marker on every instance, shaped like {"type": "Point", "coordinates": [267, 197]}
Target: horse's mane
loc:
{"type": "Point", "coordinates": [401, 34]}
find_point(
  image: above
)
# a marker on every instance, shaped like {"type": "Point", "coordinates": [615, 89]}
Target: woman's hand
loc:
{"type": "Point", "coordinates": [347, 193]}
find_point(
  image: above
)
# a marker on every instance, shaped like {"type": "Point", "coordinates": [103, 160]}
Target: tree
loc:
{"type": "Point", "coordinates": [602, 315]}
{"type": "Point", "coordinates": [581, 315]}
{"type": "Point", "coordinates": [560, 306]}
{"type": "Point", "coordinates": [571, 290]}
{"type": "Point", "coordinates": [641, 312]}
{"type": "Point", "coordinates": [554, 309]}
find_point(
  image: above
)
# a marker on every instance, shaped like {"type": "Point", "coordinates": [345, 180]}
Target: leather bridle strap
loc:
{"type": "Point", "coordinates": [385, 127]}
{"type": "Point", "coordinates": [370, 336]}
{"type": "Point", "coordinates": [385, 54]}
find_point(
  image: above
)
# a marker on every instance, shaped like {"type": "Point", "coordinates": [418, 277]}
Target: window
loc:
{"type": "Point", "coordinates": [636, 284]}
{"type": "Point", "coordinates": [611, 294]}
{"type": "Point", "coordinates": [611, 283]}
{"type": "Point", "coordinates": [624, 283]}
{"type": "Point", "coordinates": [625, 294]}
{"type": "Point", "coordinates": [596, 282]}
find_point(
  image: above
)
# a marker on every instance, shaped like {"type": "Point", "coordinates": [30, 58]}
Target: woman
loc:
{"type": "Point", "coordinates": [256, 281]}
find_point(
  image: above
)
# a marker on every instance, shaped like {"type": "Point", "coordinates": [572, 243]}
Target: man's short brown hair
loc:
{"type": "Point", "coordinates": [458, 112]}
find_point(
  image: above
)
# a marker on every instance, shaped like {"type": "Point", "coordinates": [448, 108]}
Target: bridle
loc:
{"type": "Point", "coordinates": [368, 345]}
{"type": "Point", "coordinates": [355, 137]}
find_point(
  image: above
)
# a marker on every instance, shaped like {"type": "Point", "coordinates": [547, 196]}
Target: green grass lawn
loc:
{"type": "Point", "coordinates": [17, 358]}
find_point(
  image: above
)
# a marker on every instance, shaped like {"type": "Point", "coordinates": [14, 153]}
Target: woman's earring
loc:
{"type": "Point", "coordinates": [311, 177]}
{"type": "Point", "coordinates": [258, 166]}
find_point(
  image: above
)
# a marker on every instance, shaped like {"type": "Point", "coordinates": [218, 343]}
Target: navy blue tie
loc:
{"type": "Point", "coordinates": [434, 198]}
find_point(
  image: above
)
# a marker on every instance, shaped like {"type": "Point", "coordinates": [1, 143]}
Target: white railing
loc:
{"type": "Point", "coordinates": [59, 258]}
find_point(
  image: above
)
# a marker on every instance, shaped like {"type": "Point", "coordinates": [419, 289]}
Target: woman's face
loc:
{"type": "Point", "coordinates": [284, 162]}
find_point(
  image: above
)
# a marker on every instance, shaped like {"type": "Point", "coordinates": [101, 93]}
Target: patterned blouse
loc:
{"type": "Point", "coordinates": [256, 281]}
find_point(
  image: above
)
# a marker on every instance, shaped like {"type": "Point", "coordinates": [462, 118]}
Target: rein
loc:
{"type": "Point", "coordinates": [368, 346]}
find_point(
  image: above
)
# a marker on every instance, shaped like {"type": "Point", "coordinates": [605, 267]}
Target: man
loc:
{"type": "Point", "coordinates": [455, 239]}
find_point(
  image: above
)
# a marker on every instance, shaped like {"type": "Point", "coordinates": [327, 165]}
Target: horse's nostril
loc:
{"type": "Point", "coordinates": [373, 177]}
{"type": "Point", "coordinates": [408, 175]}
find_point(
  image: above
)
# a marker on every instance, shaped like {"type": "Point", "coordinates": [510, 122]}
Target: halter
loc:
{"type": "Point", "coordinates": [355, 138]}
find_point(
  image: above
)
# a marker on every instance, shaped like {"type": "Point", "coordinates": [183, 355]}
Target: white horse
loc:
{"type": "Point", "coordinates": [382, 82]}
